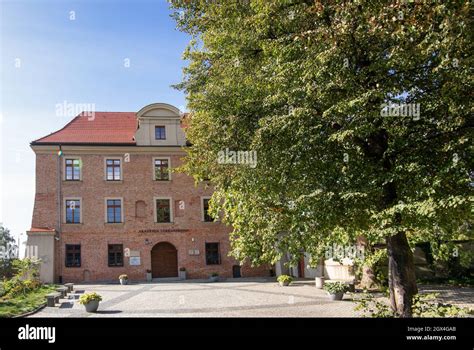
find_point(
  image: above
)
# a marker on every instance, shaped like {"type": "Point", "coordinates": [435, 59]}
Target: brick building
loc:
{"type": "Point", "coordinates": [107, 203]}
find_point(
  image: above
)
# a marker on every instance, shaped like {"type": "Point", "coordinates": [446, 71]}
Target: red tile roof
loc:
{"type": "Point", "coordinates": [100, 128]}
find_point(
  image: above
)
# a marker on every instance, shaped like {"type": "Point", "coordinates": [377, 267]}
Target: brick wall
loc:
{"type": "Point", "coordinates": [137, 184]}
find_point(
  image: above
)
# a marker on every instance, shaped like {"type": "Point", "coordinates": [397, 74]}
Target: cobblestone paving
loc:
{"type": "Point", "coordinates": [231, 298]}
{"type": "Point", "coordinates": [199, 298]}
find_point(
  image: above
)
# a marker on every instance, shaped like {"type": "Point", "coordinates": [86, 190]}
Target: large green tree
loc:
{"type": "Point", "coordinates": [305, 84]}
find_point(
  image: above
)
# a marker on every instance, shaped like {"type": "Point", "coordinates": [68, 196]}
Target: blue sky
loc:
{"type": "Point", "coordinates": [50, 58]}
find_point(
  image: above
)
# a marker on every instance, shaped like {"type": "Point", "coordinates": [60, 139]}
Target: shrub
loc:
{"type": "Point", "coordinates": [123, 277]}
{"type": "Point", "coordinates": [335, 287]}
{"type": "Point", "coordinates": [424, 305]}
{"type": "Point", "coordinates": [88, 297]}
{"type": "Point", "coordinates": [214, 274]}
{"type": "Point", "coordinates": [182, 269]}
{"type": "Point", "coordinates": [285, 278]}
{"type": "Point", "coordinates": [25, 279]}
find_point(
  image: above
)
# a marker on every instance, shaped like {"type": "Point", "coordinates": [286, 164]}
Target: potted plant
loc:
{"type": "Point", "coordinates": [182, 273]}
{"type": "Point", "coordinates": [284, 280]}
{"type": "Point", "coordinates": [335, 290]}
{"type": "Point", "coordinates": [148, 276]}
{"type": "Point", "coordinates": [90, 301]}
{"type": "Point", "coordinates": [214, 277]}
{"type": "Point", "coordinates": [123, 279]}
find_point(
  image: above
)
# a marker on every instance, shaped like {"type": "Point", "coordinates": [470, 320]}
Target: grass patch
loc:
{"type": "Point", "coordinates": [21, 304]}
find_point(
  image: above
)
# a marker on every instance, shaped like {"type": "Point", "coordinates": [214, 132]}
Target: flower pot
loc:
{"type": "Point", "coordinates": [284, 284]}
{"type": "Point", "coordinates": [337, 296]}
{"type": "Point", "coordinates": [123, 282]}
{"type": "Point", "coordinates": [214, 278]}
{"type": "Point", "coordinates": [182, 275]}
{"type": "Point", "coordinates": [92, 306]}
{"type": "Point", "coordinates": [149, 277]}
{"type": "Point", "coordinates": [319, 282]}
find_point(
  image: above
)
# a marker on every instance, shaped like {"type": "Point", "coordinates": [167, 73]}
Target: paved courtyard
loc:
{"type": "Point", "coordinates": [231, 298]}
{"type": "Point", "coordinates": [242, 297]}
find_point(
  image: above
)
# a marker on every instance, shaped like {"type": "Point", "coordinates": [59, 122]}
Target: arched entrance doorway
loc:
{"type": "Point", "coordinates": [164, 260]}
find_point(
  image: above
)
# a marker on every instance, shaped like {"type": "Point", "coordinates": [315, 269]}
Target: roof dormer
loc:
{"type": "Point", "coordinates": [159, 125]}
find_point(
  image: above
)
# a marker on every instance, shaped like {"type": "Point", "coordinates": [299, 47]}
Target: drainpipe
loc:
{"type": "Point", "coordinates": [58, 238]}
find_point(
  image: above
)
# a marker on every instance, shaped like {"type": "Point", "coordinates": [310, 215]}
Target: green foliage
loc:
{"type": "Point", "coordinates": [8, 252]}
{"type": "Point", "coordinates": [373, 307]}
{"type": "Point", "coordinates": [24, 280]}
{"type": "Point", "coordinates": [335, 287]}
{"type": "Point", "coordinates": [23, 303]}
{"type": "Point", "coordinates": [424, 305]}
{"type": "Point", "coordinates": [285, 279]}
{"type": "Point", "coordinates": [214, 274]}
{"type": "Point", "coordinates": [88, 297]}
{"type": "Point", "coordinates": [123, 277]}
{"type": "Point", "coordinates": [302, 84]}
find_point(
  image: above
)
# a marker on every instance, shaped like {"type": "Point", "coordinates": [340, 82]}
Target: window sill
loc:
{"type": "Point", "coordinates": [165, 223]}
{"type": "Point", "coordinates": [155, 180]}
{"type": "Point", "coordinates": [72, 181]}
{"type": "Point", "coordinates": [114, 181]}
{"type": "Point", "coordinates": [73, 223]}
{"type": "Point", "coordinates": [114, 223]}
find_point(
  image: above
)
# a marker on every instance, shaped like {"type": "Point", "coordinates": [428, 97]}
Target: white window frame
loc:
{"type": "Point", "coordinates": [155, 219]}
{"type": "Point", "coordinates": [122, 211]}
{"type": "Point", "coordinates": [105, 168]}
{"type": "Point", "coordinates": [65, 199]}
{"type": "Point", "coordinates": [64, 167]}
{"type": "Point", "coordinates": [169, 169]}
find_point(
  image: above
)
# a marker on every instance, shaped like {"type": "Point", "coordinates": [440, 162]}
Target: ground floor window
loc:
{"type": "Point", "coordinates": [115, 255]}
{"type": "Point", "coordinates": [73, 255]}
{"type": "Point", "coordinates": [163, 210]}
{"type": "Point", "coordinates": [212, 254]}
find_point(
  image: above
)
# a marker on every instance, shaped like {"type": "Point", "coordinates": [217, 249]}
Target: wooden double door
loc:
{"type": "Point", "coordinates": [164, 260]}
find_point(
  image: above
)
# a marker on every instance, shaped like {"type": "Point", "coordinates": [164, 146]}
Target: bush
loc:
{"type": "Point", "coordinates": [214, 274]}
{"type": "Point", "coordinates": [25, 279]}
{"type": "Point", "coordinates": [424, 305]}
{"type": "Point", "coordinates": [182, 269]}
{"type": "Point", "coordinates": [335, 287]}
{"type": "Point", "coordinates": [88, 297]}
{"type": "Point", "coordinates": [123, 277]}
{"type": "Point", "coordinates": [285, 279]}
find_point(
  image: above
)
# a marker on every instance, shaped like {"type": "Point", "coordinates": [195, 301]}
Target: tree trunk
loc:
{"type": "Point", "coordinates": [368, 279]}
{"type": "Point", "coordinates": [401, 274]}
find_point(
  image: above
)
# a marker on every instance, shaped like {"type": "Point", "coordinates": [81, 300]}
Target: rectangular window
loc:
{"type": "Point", "coordinates": [114, 211]}
{"type": "Point", "coordinates": [160, 133]}
{"type": "Point", "coordinates": [115, 255]}
{"type": "Point", "coordinates": [73, 211]}
{"type": "Point", "coordinates": [113, 170]}
{"type": "Point", "coordinates": [205, 208]}
{"type": "Point", "coordinates": [212, 254]}
{"type": "Point", "coordinates": [73, 255]}
{"type": "Point", "coordinates": [162, 169]}
{"type": "Point", "coordinates": [163, 210]}
{"type": "Point", "coordinates": [73, 169]}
